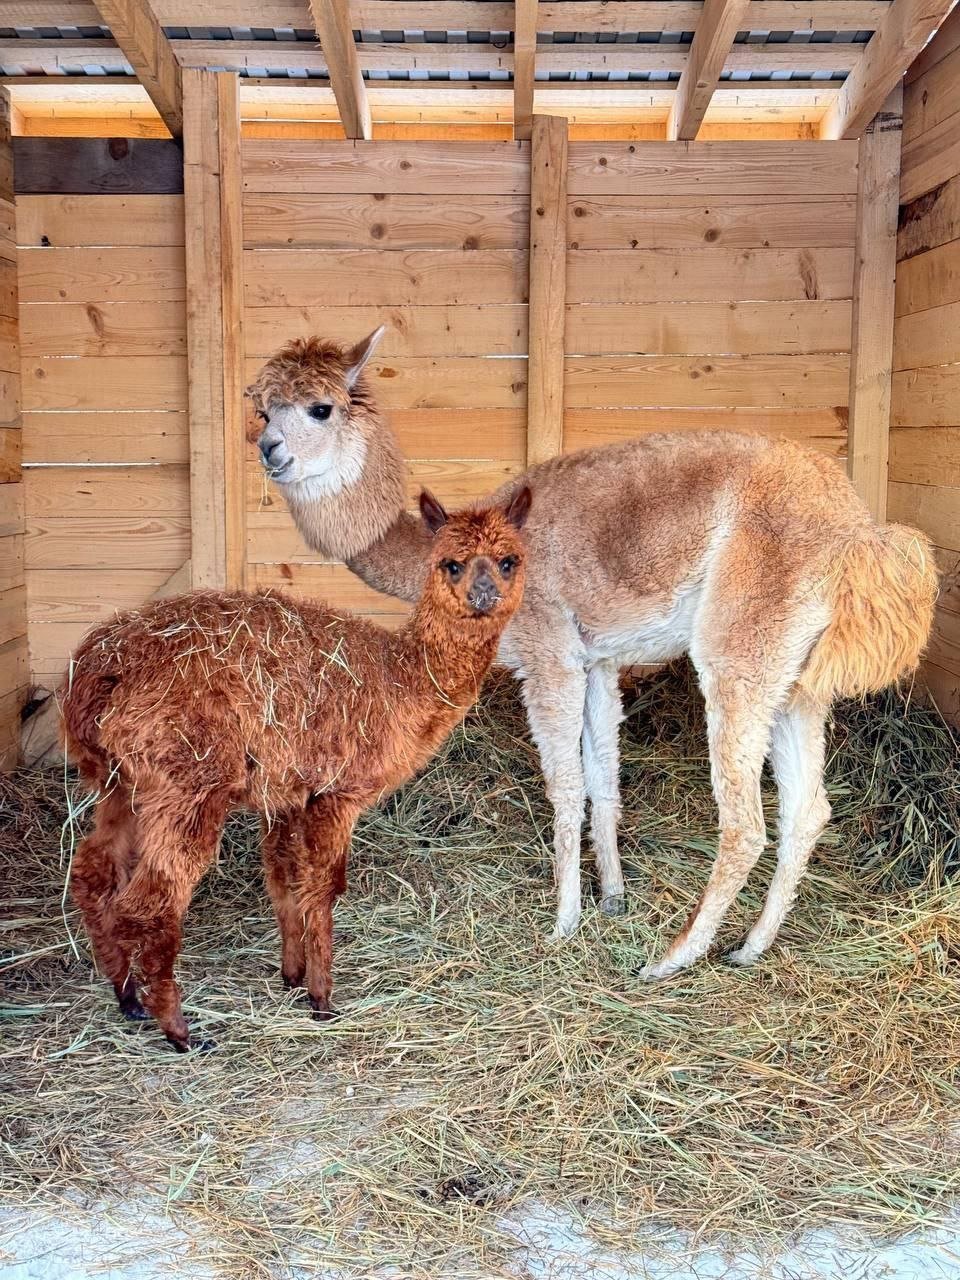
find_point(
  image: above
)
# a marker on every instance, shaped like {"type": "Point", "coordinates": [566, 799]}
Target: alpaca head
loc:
{"type": "Point", "coordinates": [476, 559]}
{"type": "Point", "coordinates": [318, 414]}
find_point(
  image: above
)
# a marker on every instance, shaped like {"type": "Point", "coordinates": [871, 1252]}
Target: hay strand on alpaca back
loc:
{"type": "Point", "coordinates": [214, 701]}
{"type": "Point", "coordinates": [754, 556]}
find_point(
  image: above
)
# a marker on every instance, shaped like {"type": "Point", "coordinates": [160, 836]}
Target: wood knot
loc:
{"type": "Point", "coordinates": [711, 234]}
{"type": "Point", "coordinates": [118, 148]}
{"type": "Point", "coordinates": [377, 231]}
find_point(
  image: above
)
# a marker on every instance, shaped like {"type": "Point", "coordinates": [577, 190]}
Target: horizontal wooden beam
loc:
{"type": "Point", "coordinates": [97, 166]}
{"type": "Point", "coordinates": [134, 26]}
{"type": "Point", "coordinates": [469, 15]}
{"type": "Point", "coordinates": [902, 34]}
{"type": "Point", "coordinates": [712, 44]}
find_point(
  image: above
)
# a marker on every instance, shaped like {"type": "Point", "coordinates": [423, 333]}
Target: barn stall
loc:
{"type": "Point", "coordinates": [581, 223]}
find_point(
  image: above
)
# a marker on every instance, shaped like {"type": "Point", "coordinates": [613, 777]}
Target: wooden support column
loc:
{"type": "Point", "coordinates": [331, 18]}
{"type": "Point", "coordinates": [214, 243]}
{"type": "Point", "coordinates": [713, 39]}
{"type": "Point", "coordinates": [548, 286]}
{"type": "Point", "coordinates": [137, 31]}
{"type": "Point", "coordinates": [13, 604]}
{"type": "Point", "coordinates": [524, 65]}
{"type": "Point", "coordinates": [875, 268]}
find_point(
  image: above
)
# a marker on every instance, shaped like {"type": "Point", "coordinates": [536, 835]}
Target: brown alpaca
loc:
{"type": "Point", "coordinates": [754, 556]}
{"type": "Point", "coordinates": [215, 701]}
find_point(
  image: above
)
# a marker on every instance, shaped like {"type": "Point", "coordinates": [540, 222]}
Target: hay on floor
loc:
{"type": "Point", "coordinates": [477, 1069]}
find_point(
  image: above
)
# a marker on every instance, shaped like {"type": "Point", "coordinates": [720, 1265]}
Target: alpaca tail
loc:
{"type": "Point", "coordinates": [84, 697]}
{"type": "Point", "coordinates": [881, 596]}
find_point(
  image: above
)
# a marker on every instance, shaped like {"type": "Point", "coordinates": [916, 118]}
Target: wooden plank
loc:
{"type": "Point", "coordinates": [11, 509]}
{"type": "Point", "coordinates": [927, 338]}
{"type": "Point", "coordinates": [331, 19]}
{"type": "Point", "coordinates": [13, 613]}
{"type": "Point", "coordinates": [927, 397]}
{"type": "Point", "coordinates": [931, 159]}
{"type": "Point", "coordinates": [548, 267]}
{"type": "Point", "coordinates": [823, 429]}
{"type": "Point", "coordinates": [930, 220]}
{"type": "Point", "coordinates": [930, 98]}
{"type": "Point", "coordinates": [121, 491]}
{"type": "Point", "coordinates": [384, 221]}
{"type": "Point", "coordinates": [105, 382]}
{"type": "Point", "coordinates": [932, 508]}
{"type": "Point", "coordinates": [105, 437]}
{"type": "Point", "coordinates": [709, 275]}
{"type": "Point", "coordinates": [97, 275]}
{"type": "Point", "coordinates": [709, 328]}
{"type": "Point", "coordinates": [11, 561]}
{"type": "Point", "coordinates": [10, 454]}
{"type": "Point", "coordinates": [333, 583]}
{"type": "Point", "coordinates": [929, 279]}
{"type": "Point", "coordinates": [64, 595]}
{"type": "Point", "coordinates": [69, 221]}
{"type": "Point", "coordinates": [729, 222]}
{"type": "Point", "coordinates": [943, 649]}
{"type": "Point", "coordinates": [903, 31]}
{"type": "Point", "coordinates": [713, 168]}
{"type": "Point", "coordinates": [97, 166]}
{"type": "Point", "coordinates": [713, 40]}
{"type": "Point", "coordinates": [466, 330]}
{"type": "Point", "coordinates": [524, 65]}
{"type": "Point", "coordinates": [107, 542]}
{"type": "Point", "coordinates": [427, 168]}
{"type": "Point", "coordinates": [134, 26]}
{"type": "Point", "coordinates": [721, 381]}
{"type": "Point", "coordinates": [871, 351]}
{"type": "Point", "coordinates": [104, 329]}
{"type": "Point", "coordinates": [9, 400]}
{"type": "Point", "coordinates": [295, 277]}
{"type": "Point", "coordinates": [926, 455]}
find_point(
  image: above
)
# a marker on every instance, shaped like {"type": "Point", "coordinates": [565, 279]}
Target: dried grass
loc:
{"type": "Point", "coordinates": [477, 1068]}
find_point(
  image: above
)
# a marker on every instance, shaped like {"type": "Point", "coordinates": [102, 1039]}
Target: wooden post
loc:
{"type": "Point", "coordinates": [548, 286]}
{"type": "Point", "coordinates": [214, 248]}
{"type": "Point", "coordinates": [875, 267]}
{"type": "Point", "coordinates": [13, 607]}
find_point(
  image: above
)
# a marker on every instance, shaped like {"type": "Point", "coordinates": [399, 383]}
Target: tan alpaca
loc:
{"type": "Point", "coordinates": [754, 556]}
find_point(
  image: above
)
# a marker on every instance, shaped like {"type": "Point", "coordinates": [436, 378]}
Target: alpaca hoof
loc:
{"type": "Point", "coordinates": [743, 957]}
{"type": "Point", "coordinates": [134, 1011]}
{"type": "Point", "coordinates": [189, 1046]}
{"type": "Point", "coordinates": [128, 1001]}
{"type": "Point", "coordinates": [563, 929]}
{"type": "Point", "coordinates": [292, 982]}
{"type": "Point", "coordinates": [323, 1010]}
{"type": "Point", "coordinates": [614, 905]}
{"type": "Point", "coordinates": [657, 972]}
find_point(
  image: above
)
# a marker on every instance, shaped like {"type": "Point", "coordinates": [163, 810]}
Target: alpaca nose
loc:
{"type": "Point", "coordinates": [270, 449]}
{"type": "Point", "coordinates": [483, 594]}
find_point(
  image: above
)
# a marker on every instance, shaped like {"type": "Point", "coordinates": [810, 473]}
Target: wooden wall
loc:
{"type": "Point", "coordinates": [105, 445]}
{"type": "Point", "coordinates": [13, 621]}
{"type": "Point", "coordinates": [924, 472]}
{"type": "Point", "coordinates": [429, 238]}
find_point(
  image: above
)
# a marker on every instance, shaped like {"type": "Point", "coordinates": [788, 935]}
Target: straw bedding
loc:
{"type": "Point", "coordinates": [477, 1068]}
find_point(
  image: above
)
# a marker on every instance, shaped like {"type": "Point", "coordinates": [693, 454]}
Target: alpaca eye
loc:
{"type": "Point", "coordinates": [507, 565]}
{"type": "Point", "coordinates": [320, 412]}
{"type": "Point", "coordinates": [264, 417]}
{"type": "Point", "coordinates": [453, 567]}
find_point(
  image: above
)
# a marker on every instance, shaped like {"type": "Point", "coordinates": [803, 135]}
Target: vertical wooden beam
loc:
{"type": "Point", "coordinates": [524, 65]}
{"type": "Point", "coordinates": [13, 605]}
{"type": "Point", "coordinates": [214, 257]}
{"type": "Point", "coordinates": [875, 268]}
{"type": "Point", "coordinates": [903, 31]}
{"type": "Point", "coordinates": [331, 18]}
{"type": "Point", "coordinates": [137, 31]}
{"type": "Point", "coordinates": [713, 39]}
{"type": "Point", "coordinates": [548, 287]}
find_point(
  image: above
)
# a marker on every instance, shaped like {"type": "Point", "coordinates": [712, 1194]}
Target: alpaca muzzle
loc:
{"type": "Point", "coordinates": [483, 593]}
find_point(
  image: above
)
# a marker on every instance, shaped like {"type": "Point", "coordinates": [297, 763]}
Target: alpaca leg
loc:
{"type": "Point", "coordinates": [281, 844]}
{"type": "Point", "coordinates": [797, 755]}
{"type": "Point", "coordinates": [738, 732]}
{"type": "Point", "coordinates": [327, 829]}
{"type": "Point", "coordinates": [555, 709]}
{"type": "Point", "coordinates": [101, 869]}
{"type": "Point", "coordinates": [601, 772]}
{"type": "Point", "coordinates": [178, 839]}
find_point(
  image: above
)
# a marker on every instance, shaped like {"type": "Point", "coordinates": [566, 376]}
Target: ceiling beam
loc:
{"type": "Point", "coordinates": [902, 33]}
{"type": "Point", "coordinates": [331, 18]}
{"type": "Point", "coordinates": [524, 66]}
{"type": "Point", "coordinates": [712, 43]}
{"type": "Point", "coordinates": [134, 26]}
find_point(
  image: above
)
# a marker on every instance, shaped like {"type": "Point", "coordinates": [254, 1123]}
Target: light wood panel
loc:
{"type": "Point", "coordinates": [77, 438]}
{"type": "Point", "coordinates": [104, 329]}
{"type": "Point", "coordinates": [444, 383]}
{"type": "Point", "coordinates": [927, 397]}
{"type": "Point", "coordinates": [53, 593]}
{"type": "Point", "coordinates": [926, 455]}
{"type": "Point", "coordinates": [548, 270]}
{"type": "Point", "coordinates": [68, 221]}
{"type": "Point", "coordinates": [932, 158]}
{"type": "Point", "coordinates": [823, 429]}
{"type": "Point", "coordinates": [88, 275]}
{"type": "Point", "coordinates": [930, 220]}
{"type": "Point", "coordinates": [103, 382]}
{"type": "Point", "coordinates": [926, 337]}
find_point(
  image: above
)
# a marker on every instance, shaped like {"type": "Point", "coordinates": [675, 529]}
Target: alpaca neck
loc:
{"type": "Point", "coordinates": [457, 653]}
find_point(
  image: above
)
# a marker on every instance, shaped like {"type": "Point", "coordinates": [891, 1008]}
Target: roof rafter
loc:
{"type": "Point", "coordinates": [712, 43]}
{"type": "Point", "coordinates": [904, 30]}
{"type": "Point", "coordinates": [524, 66]}
{"type": "Point", "coordinates": [331, 18]}
{"type": "Point", "coordinates": [139, 36]}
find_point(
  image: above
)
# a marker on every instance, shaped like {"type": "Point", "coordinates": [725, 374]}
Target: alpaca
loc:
{"type": "Point", "coordinates": [754, 556]}
{"type": "Point", "coordinates": [212, 701]}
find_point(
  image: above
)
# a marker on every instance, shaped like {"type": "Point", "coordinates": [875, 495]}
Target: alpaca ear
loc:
{"type": "Point", "coordinates": [358, 356]}
{"type": "Point", "coordinates": [519, 507]}
{"type": "Point", "coordinates": [434, 516]}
